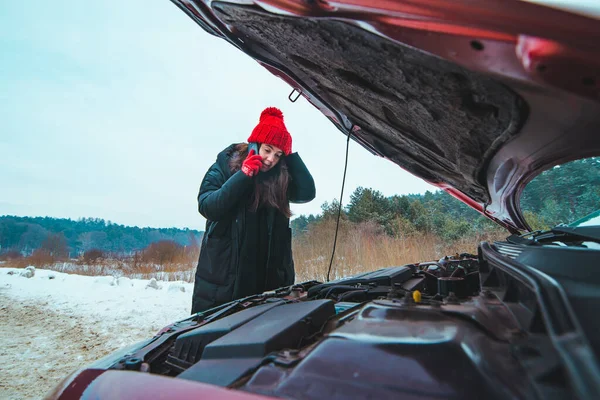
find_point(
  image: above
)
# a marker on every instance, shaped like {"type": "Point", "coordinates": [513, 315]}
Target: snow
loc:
{"type": "Point", "coordinates": [29, 272]}
{"type": "Point", "coordinates": [177, 287]}
{"type": "Point", "coordinates": [108, 302]}
{"type": "Point", "coordinates": [77, 319]}
{"type": "Point", "coordinates": [153, 284]}
{"type": "Point", "coordinates": [124, 281]}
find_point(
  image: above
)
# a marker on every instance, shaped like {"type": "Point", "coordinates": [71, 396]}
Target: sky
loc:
{"type": "Point", "coordinates": [116, 109]}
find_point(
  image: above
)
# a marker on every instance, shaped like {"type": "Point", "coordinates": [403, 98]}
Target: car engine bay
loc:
{"type": "Point", "coordinates": [491, 325]}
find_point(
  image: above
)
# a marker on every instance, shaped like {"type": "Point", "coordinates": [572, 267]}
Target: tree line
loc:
{"type": "Point", "coordinates": [59, 235]}
{"type": "Point", "coordinates": [402, 216]}
{"type": "Point", "coordinates": [559, 195]}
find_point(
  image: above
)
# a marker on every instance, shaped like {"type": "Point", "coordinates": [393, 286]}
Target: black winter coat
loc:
{"type": "Point", "coordinates": [224, 273]}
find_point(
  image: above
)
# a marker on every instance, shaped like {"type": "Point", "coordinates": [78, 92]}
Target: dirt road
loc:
{"type": "Point", "coordinates": [39, 347]}
{"type": "Point", "coordinates": [53, 323]}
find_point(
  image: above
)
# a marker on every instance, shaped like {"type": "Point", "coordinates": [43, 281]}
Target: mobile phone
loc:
{"type": "Point", "coordinates": [253, 146]}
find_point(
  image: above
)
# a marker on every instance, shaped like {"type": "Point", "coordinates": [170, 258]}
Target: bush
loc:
{"type": "Point", "coordinates": [11, 255]}
{"type": "Point", "coordinates": [41, 258]}
{"type": "Point", "coordinates": [163, 252]}
{"type": "Point", "coordinates": [93, 256]}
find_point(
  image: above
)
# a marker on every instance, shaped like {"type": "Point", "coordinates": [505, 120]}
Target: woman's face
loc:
{"type": "Point", "coordinates": [270, 155]}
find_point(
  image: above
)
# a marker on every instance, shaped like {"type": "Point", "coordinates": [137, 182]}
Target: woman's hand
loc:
{"type": "Point", "coordinates": [252, 163]}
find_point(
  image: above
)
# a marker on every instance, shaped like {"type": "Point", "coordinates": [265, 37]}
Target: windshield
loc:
{"type": "Point", "coordinates": [592, 219]}
{"type": "Point", "coordinates": [565, 194]}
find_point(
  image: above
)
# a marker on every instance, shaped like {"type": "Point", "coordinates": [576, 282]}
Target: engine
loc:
{"type": "Point", "coordinates": [453, 277]}
{"type": "Point", "coordinates": [442, 329]}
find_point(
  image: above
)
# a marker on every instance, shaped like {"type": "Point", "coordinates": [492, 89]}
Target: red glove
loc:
{"type": "Point", "coordinates": [252, 164]}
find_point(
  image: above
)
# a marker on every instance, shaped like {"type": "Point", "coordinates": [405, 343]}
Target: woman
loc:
{"type": "Point", "coordinates": [245, 196]}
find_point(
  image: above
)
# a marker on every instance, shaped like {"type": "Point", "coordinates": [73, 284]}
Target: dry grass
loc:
{"type": "Point", "coordinates": [117, 267]}
{"type": "Point", "coordinates": [164, 261]}
{"type": "Point", "coordinates": [360, 248]}
{"type": "Point", "coordinates": [363, 247]}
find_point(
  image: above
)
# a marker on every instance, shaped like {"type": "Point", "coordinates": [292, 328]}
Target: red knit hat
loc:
{"type": "Point", "coordinates": [272, 130]}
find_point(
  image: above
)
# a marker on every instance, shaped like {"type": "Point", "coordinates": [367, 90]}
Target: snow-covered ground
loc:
{"type": "Point", "coordinates": [53, 323]}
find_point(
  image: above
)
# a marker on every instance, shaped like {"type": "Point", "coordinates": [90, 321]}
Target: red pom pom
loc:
{"type": "Point", "coordinates": [271, 112]}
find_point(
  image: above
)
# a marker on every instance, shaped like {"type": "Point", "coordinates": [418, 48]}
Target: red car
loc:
{"type": "Point", "coordinates": [475, 97]}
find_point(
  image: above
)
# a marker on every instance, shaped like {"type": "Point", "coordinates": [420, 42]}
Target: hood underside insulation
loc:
{"type": "Point", "coordinates": [437, 120]}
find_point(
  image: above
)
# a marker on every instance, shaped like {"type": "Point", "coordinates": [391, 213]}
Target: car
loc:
{"type": "Point", "coordinates": [475, 97]}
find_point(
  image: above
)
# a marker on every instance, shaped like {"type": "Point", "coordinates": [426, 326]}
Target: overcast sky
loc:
{"type": "Point", "coordinates": [116, 109]}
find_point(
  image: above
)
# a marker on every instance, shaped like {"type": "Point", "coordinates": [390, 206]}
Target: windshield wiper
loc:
{"type": "Point", "coordinates": [570, 236]}
{"type": "Point", "coordinates": [584, 232]}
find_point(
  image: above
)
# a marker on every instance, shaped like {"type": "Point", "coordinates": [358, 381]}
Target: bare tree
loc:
{"type": "Point", "coordinates": [55, 245]}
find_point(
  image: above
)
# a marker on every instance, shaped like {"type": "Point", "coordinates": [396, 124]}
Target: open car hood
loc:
{"type": "Point", "coordinates": [475, 97]}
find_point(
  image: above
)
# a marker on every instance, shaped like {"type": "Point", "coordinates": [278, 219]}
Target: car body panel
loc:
{"type": "Point", "coordinates": [106, 384]}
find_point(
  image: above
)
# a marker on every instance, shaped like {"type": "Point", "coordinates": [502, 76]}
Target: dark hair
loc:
{"type": "Point", "coordinates": [270, 188]}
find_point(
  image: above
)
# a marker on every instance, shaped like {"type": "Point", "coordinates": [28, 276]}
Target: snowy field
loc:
{"type": "Point", "coordinates": [54, 323]}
